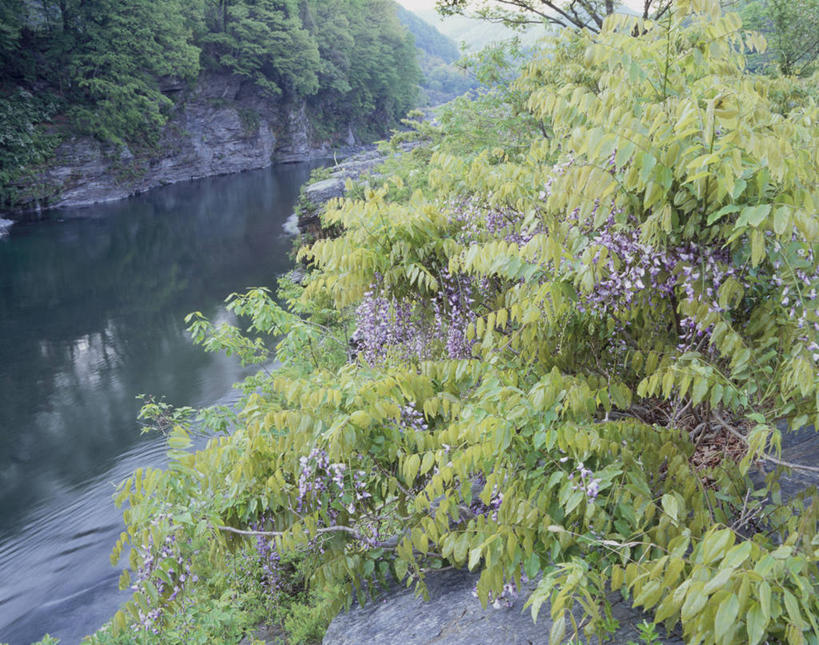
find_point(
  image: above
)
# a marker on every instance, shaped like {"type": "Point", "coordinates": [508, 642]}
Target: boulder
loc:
{"type": "Point", "coordinates": [5, 225]}
{"type": "Point", "coordinates": [454, 616]}
{"type": "Point", "coordinates": [324, 190]}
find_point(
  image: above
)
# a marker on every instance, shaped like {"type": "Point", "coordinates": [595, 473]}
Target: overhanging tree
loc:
{"type": "Point", "coordinates": [587, 14]}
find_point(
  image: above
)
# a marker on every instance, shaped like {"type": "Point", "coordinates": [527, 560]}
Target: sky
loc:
{"type": "Point", "coordinates": [417, 5]}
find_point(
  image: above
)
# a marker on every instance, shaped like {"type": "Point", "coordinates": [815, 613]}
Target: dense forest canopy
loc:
{"type": "Point", "coordinates": [100, 66]}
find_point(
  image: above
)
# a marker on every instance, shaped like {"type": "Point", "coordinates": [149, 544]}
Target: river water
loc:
{"type": "Point", "coordinates": [92, 303]}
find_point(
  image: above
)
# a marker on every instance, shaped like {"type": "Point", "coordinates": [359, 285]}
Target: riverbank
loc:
{"type": "Point", "coordinates": [306, 220]}
{"type": "Point", "coordinates": [222, 125]}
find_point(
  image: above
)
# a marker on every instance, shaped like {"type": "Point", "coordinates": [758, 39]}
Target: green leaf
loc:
{"type": "Point", "coordinates": [726, 616]}
{"type": "Point", "coordinates": [722, 212]}
{"type": "Point", "coordinates": [649, 595]}
{"type": "Point", "coordinates": [461, 548]}
{"type": "Point", "coordinates": [558, 630]}
{"type": "Point", "coordinates": [411, 466]}
{"type": "Point", "coordinates": [695, 600]}
{"type": "Point", "coordinates": [755, 622]}
{"type": "Point", "coordinates": [753, 215]}
{"type": "Point", "coordinates": [764, 595]}
{"type": "Point", "coordinates": [671, 506]}
{"type": "Point", "coordinates": [737, 554]}
{"type": "Point", "coordinates": [401, 569]}
{"type": "Point", "coordinates": [647, 164]}
{"type": "Point", "coordinates": [718, 581]}
{"type": "Point", "coordinates": [699, 390]}
{"type": "Point", "coordinates": [715, 545]}
{"type": "Point", "coordinates": [474, 558]}
{"type": "Point", "coordinates": [781, 219]}
{"type": "Point", "coordinates": [792, 605]}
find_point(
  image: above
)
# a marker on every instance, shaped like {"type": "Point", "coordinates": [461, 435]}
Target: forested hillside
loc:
{"type": "Point", "coordinates": [113, 70]}
{"type": "Point", "coordinates": [441, 79]}
{"type": "Point", "coordinates": [560, 339]}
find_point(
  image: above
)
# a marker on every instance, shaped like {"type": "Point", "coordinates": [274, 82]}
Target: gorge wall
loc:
{"type": "Point", "coordinates": [222, 125]}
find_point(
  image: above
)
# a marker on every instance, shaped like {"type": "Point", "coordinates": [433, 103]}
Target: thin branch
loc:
{"type": "Point", "coordinates": [329, 529]}
{"type": "Point", "coordinates": [767, 457]}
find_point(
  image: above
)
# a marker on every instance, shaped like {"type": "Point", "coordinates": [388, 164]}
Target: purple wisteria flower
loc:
{"type": "Point", "coordinates": [385, 323]}
{"type": "Point", "coordinates": [584, 480]}
{"type": "Point", "coordinates": [165, 568]}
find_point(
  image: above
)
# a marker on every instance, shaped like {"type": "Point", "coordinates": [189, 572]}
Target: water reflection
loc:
{"type": "Point", "coordinates": [91, 314]}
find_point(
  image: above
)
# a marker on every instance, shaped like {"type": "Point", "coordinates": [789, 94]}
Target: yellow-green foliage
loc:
{"type": "Point", "coordinates": [688, 149]}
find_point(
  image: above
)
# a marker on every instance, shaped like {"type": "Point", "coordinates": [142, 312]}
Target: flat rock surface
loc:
{"type": "Point", "coordinates": [454, 616]}
{"type": "Point", "coordinates": [324, 190]}
{"type": "Point", "coordinates": [798, 447]}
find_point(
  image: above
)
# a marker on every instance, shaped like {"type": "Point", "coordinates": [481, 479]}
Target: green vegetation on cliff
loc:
{"type": "Point", "coordinates": [101, 65]}
{"type": "Point", "coordinates": [522, 353]}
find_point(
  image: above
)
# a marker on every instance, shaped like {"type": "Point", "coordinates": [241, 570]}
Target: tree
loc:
{"type": "Point", "coordinates": [369, 69]}
{"type": "Point", "coordinates": [115, 53]}
{"type": "Point", "coordinates": [580, 14]}
{"type": "Point", "coordinates": [11, 14]}
{"type": "Point", "coordinates": [264, 41]}
{"type": "Point", "coordinates": [792, 30]}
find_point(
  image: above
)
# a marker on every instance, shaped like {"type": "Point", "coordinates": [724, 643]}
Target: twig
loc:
{"type": "Point", "coordinates": [328, 529]}
{"type": "Point", "coordinates": [766, 456]}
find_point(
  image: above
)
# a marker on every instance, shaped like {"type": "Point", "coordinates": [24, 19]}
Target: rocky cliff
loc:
{"type": "Point", "coordinates": [221, 125]}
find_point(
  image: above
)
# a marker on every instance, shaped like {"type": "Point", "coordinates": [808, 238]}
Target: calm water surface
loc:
{"type": "Point", "coordinates": [92, 303]}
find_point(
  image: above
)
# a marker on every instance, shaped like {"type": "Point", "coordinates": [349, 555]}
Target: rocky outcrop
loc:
{"type": "Point", "coordinates": [314, 196]}
{"type": "Point", "coordinates": [454, 616]}
{"type": "Point", "coordinates": [307, 218]}
{"type": "Point", "coordinates": [222, 125]}
{"type": "Point", "coordinates": [324, 190]}
{"type": "Point", "coordinates": [5, 225]}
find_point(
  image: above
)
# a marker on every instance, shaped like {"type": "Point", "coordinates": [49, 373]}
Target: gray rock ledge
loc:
{"type": "Point", "coordinates": [454, 616]}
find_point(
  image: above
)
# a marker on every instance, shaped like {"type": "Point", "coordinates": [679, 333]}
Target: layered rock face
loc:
{"type": "Point", "coordinates": [222, 125]}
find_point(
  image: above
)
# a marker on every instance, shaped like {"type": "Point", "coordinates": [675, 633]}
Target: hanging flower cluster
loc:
{"type": "Point", "coordinates": [453, 312]}
{"type": "Point", "coordinates": [385, 323]}
{"type": "Point", "coordinates": [166, 558]}
{"type": "Point", "coordinates": [478, 222]}
{"type": "Point", "coordinates": [329, 485]}
{"type": "Point", "coordinates": [798, 296]}
{"type": "Point", "coordinates": [491, 509]}
{"type": "Point", "coordinates": [628, 268]}
{"type": "Point", "coordinates": [584, 480]}
{"type": "Point", "coordinates": [412, 419]}
{"type": "Point", "coordinates": [268, 558]}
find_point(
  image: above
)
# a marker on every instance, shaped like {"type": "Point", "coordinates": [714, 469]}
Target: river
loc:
{"type": "Point", "coordinates": [92, 303]}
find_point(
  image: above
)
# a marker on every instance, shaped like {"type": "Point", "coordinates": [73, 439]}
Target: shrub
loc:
{"type": "Point", "coordinates": [528, 368]}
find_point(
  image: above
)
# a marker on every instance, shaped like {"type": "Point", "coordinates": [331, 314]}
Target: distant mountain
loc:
{"type": "Point", "coordinates": [475, 34]}
{"type": "Point", "coordinates": [427, 37]}
{"type": "Point", "coordinates": [437, 53]}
